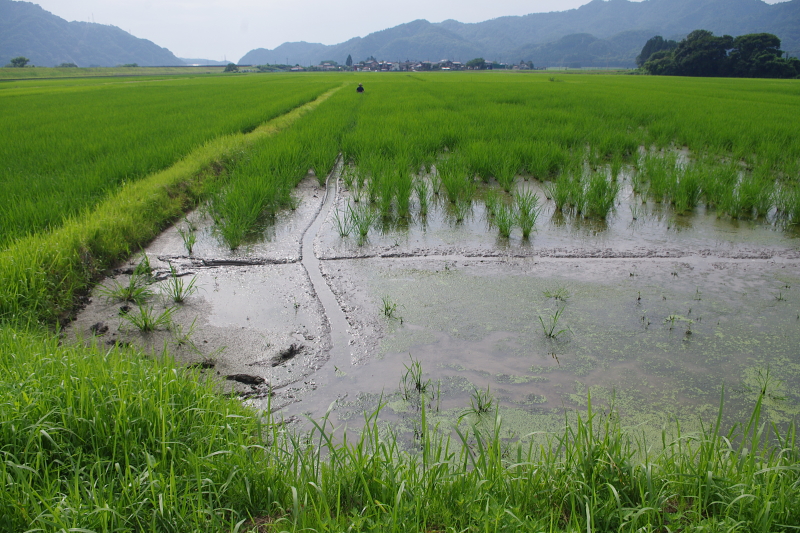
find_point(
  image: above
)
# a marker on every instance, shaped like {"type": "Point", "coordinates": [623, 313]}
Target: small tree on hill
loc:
{"type": "Point", "coordinates": [18, 62]}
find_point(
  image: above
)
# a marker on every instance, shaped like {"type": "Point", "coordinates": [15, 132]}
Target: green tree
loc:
{"type": "Point", "coordinates": [18, 62]}
{"type": "Point", "coordinates": [67, 65]}
{"type": "Point", "coordinates": [478, 63]}
{"type": "Point", "coordinates": [702, 54]}
{"type": "Point", "coordinates": [653, 45]}
{"type": "Point", "coordinates": [755, 55]}
{"type": "Point", "coordinates": [661, 63]}
{"type": "Point", "coordinates": [231, 67]}
{"type": "Point", "coordinates": [758, 55]}
{"type": "Point", "coordinates": [349, 61]}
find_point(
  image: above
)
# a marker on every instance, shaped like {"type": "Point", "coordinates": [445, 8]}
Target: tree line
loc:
{"type": "Point", "coordinates": [701, 53]}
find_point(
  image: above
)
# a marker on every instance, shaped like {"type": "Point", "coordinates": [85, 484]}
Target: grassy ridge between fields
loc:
{"type": "Point", "coordinates": [44, 274]}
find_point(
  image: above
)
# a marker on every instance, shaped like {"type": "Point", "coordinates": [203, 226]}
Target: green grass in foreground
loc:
{"type": "Point", "coordinates": [108, 440]}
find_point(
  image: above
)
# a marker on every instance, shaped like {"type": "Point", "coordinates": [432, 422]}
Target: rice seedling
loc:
{"type": "Point", "coordinates": [600, 196]}
{"type": "Point", "coordinates": [506, 172]}
{"type": "Point", "coordinates": [143, 268]}
{"type": "Point", "coordinates": [176, 289]}
{"type": "Point", "coordinates": [719, 181]}
{"type": "Point", "coordinates": [411, 383]}
{"type": "Point", "coordinates": [145, 319]}
{"type": "Point", "coordinates": [549, 329]}
{"type": "Point", "coordinates": [350, 177]}
{"type": "Point", "coordinates": [189, 238]}
{"type": "Point", "coordinates": [455, 179]}
{"type": "Point", "coordinates": [361, 218]}
{"type": "Point", "coordinates": [343, 222]}
{"type": "Point", "coordinates": [404, 185]}
{"type": "Point", "coordinates": [389, 309]}
{"type": "Point", "coordinates": [481, 403]}
{"type": "Point", "coordinates": [559, 293]}
{"type": "Point", "coordinates": [615, 168]}
{"type": "Point", "coordinates": [687, 191]}
{"type": "Point", "coordinates": [136, 290]}
{"type": "Point", "coordinates": [758, 192]}
{"type": "Point", "coordinates": [791, 205]}
{"type": "Point", "coordinates": [492, 200]}
{"type": "Point", "coordinates": [182, 338]}
{"type": "Point", "coordinates": [460, 210]}
{"type": "Point", "coordinates": [527, 211]}
{"type": "Point", "coordinates": [386, 195]}
{"type": "Point", "coordinates": [561, 191]}
{"type": "Point", "coordinates": [660, 171]}
{"type": "Point", "coordinates": [436, 181]}
{"type": "Point", "coordinates": [637, 211]}
{"type": "Point", "coordinates": [504, 219]}
{"type": "Point", "coordinates": [421, 190]}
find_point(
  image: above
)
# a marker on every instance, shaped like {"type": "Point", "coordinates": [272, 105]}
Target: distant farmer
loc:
{"type": "Point", "coordinates": [360, 88]}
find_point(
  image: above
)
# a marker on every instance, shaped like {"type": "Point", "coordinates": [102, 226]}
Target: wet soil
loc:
{"type": "Point", "coordinates": [656, 312]}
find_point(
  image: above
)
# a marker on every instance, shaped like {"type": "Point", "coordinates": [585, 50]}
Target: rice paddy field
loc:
{"type": "Point", "coordinates": [540, 303]}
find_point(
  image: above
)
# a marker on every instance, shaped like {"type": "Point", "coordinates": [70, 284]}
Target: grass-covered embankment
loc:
{"type": "Point", "coordinates": [107, 440]}
{"type": "Point", "coordinates": [44, 274]}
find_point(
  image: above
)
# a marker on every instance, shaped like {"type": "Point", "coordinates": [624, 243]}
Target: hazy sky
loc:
{"type": "Point", "coordinates": [228, 29]}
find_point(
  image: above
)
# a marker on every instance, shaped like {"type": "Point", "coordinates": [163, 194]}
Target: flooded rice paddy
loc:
{"type": "Point", "coordinates": [650, 310]}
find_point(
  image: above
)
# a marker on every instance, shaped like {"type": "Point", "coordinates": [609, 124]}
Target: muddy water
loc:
{"type": "Point", "coordinates": [661, 336]}
{"type": "Point", "coordinates": [655, 312]}
{"type": "Point", "coordinates": [662, 311]}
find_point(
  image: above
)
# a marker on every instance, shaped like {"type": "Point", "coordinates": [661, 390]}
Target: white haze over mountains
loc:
{"type": "Point", "coordinates": [228, 29]}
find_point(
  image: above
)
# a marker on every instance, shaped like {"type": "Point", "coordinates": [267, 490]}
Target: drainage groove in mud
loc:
{"type": "Point", "coordinates": [340, 353]}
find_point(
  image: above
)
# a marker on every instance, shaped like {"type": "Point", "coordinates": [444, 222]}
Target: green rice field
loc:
{"type": "Point", "coordinates": [97, 437]}
{"type": "Point", "coordinates": [68, 145]}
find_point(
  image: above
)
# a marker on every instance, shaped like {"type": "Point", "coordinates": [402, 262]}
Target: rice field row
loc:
{"type": "Point", "coordinates": [413, 139]}
{"type": "Point", "coordinates": [68, 144]}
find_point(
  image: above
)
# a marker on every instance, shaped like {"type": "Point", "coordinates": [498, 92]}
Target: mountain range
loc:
{"type": "Point", "coordinates": [47, 40]}
{"type": "Point", "coordinates": [600, 33]}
